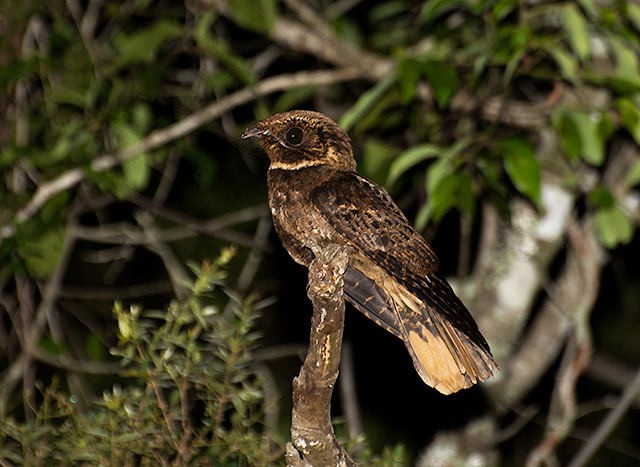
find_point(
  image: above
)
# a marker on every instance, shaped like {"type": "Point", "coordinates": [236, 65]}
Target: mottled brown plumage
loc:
{"type": "Point", "coordinates": [317, 198]}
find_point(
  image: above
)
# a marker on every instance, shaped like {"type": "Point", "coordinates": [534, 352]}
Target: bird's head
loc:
{"type": "Point", "coordinates": [300, 138]}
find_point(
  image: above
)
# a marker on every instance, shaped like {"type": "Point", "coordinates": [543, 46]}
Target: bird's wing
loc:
{"type": "Point", "coordinates": [368, 297]}
{"type": "Point", "coordinates": [366, 215]}
{"type": "Point", "coordinates": [445, 357]}
{"type": "Point", "coordinates": [368, 219]}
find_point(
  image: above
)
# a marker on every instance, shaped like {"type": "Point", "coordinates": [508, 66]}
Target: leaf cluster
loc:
{"type": "Point", "coordinates": [551, 60]}
{"type": "Point", "coordinates": [189, 394]}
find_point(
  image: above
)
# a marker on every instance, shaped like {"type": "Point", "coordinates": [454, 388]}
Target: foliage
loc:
{"type": "Point", "coordinates": [121, 161]}
{"type": "Point", "coordinates": [190, 394]}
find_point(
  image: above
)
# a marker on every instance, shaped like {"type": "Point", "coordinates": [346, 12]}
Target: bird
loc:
{"type": "Point", "coordinates": [317, 198]}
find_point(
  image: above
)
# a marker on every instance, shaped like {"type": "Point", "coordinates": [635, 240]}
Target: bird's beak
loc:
{"type": "Point", "coordinates": [254, 132]}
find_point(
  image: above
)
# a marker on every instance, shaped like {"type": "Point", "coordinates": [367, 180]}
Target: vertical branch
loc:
{"type": "Point", "coordinates": [575, 299]}
{"type": "Point", "coordinates": [313, 442]}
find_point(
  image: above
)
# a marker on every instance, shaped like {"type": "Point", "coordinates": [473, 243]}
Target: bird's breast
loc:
{"type": "Point", "coordinates": [293, 210]}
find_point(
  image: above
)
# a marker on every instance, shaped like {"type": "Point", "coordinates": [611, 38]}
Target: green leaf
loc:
{"type": "Point", "coordinates": [257, 15]}
{"type": "Point", "coordinates": [633, 13]}
{"type": "Point", "coordinates": [569, 135]}
{"type": "Point", "coordinates": [453, 190]}
{"type": "Point", "coordinates": [577, 31]}
{"type": "Point", "coordinates": [136, 170]}
{"type": "Point", "coordinates": [141, 117]}
{"type": "Point", "coordinates": [365, 102]}
{"type": "Point", "coordinates": [94, 347]}
{"type": "Point", "coordinates": [217, 47]}
{"type": "Point", "coordinates": [143, 45]}
{"type": "Point", "coordinates": [613, 226]}
{"type": "Point", "coordinates": [15, 70]}
{"type": "Point", "coordinates": [500, 9]}
{"type": "Point", "coordinates": [633, 176]}
{"type": "Point", "coordinates": [522, 167]}
{"type": "Point", "coordinates": [601, 198]}
{"type": "Point", "coordinates": [589, 7]}
{"type": "Point", "coordinates": [447, 188]}
{"type": "Point", "coordinates": [584, 134]}
{"type": "Point", "coordinates": [51, 347]}
{"type": "Point", "coordinates": [377, 156]}
{"type": "Point", "coordinates": [446, 164]}
{"type": "Point", "coordinates": [407, 159]}
{"type": "Point", "coordinates": [564, 60]}
{"type": "Point", "coordinates": [627, 73]}
{"type": "Point", "coordinates": [443, 78]}
{"type": "Point", "coordinates": [630, 114]}
{"type": "Point", "coordinates": [409, 71]}
{"type": "Point", "coordinates": [513, 45]}
{"type": "Point", "coordinates": [41, 251]}
{"type": "Point", "coordinates": [438, 171]}
{"type": "Point", "coordinates": [386, 10]}
{"type": "Point", "coordinates": [434, 8]}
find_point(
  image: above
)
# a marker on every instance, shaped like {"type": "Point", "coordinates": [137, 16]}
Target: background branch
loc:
{"type": "Point", "coordinates": [158, 138]}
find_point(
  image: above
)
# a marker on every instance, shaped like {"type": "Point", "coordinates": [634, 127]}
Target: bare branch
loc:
{"type": "Point", "coordinates": [174, 268]}
{"type": "Point", "coordinates": [312, 439]}
{"type": "Point", "coordinates": [611, 371]}
{"type": "Point", "coordinates": [37, 324]}
{"type": "Point", "coordinates": [574, 296]}
{"type": "Point", "coordinates": [631, 393]}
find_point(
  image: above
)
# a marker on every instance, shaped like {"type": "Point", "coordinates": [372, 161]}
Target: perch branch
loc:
{"type": "Point", "coordinates": [313, 442]}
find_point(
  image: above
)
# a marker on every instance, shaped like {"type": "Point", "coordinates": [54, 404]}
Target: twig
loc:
{"type": "Point", "coordinates": [25, 293]}
{"type": "Point", "coordinates": [178, 276]}
{"type": "Point", "coordinates": [312, 438]}
{"type": "Point", "coordinates": [168, 178]}
{"type": "Point", "coordinates": [274, 352]}
{"type": "Point", "coordinates": [340, 7]}
{"type": "Point", "coordinates": [631, 392]}
{"type": "Point", "coordinates": [82, 292]}
{"type": "Point", "coordinates": [77, 366]}
{"type": "Point", "coordinates": [251, 265]}
{"type": "Point", "coordinates": [575, 300]}
{"type": "Point", "coordinates": [32, 335]}
{"type": "Point", "coordinates": [127, 234]}
{"type": "Point", "coordinates": [611, 371]}
{"type": "Point", "coordinates": [179, 129]}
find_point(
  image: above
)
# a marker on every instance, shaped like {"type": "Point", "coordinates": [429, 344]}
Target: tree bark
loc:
{"type": "Point", "coordinates": [313, 442]}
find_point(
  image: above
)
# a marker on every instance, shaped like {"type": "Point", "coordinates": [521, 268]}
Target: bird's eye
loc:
{"type": "Point", "coordinates": [294, 136]}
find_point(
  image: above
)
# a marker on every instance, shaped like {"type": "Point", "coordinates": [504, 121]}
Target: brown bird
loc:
{"type": "Point", "coordinates": [317, 198]}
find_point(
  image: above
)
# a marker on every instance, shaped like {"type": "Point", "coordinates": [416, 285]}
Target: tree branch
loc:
{"type": "Point", "coordinates": [313, 442]}
{"type": "Point", "coordinates": [630, 393]}
{"type": "Point", "coordinates": [158, 138]}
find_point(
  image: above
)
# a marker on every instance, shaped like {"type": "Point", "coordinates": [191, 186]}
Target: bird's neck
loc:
{"type": "Point", "coordinates": [297, 165]}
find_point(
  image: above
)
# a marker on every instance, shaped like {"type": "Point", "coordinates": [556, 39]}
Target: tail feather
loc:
{"type": "Point", "coordinates": [444, 355]}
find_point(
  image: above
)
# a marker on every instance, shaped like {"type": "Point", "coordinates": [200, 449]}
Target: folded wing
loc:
{"type": "Point", "coordinates": [393, 280]}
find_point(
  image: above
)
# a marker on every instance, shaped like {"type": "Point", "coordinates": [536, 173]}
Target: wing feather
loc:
{"type": "Point", "coordinates": [394, 282]}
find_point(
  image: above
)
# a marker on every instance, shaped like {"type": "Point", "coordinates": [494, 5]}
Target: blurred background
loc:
{"type": "Point", "coordinates": [508, 132]}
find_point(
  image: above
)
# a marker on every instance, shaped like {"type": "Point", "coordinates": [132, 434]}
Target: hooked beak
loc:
{"type": "Point", "coordinates": [254, 132]}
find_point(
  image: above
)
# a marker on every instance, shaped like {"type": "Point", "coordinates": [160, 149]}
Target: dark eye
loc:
{"type": "Point", "coordinates": [294, 135]}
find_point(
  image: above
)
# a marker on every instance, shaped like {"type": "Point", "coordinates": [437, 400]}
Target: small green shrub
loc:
{"type": "Point", "coordinates": [189, 395]}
